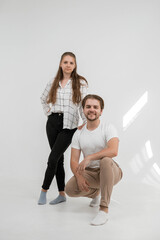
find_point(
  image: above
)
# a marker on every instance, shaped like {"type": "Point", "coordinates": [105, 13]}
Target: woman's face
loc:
{"type": "Point", "coordinates": [67, 64]}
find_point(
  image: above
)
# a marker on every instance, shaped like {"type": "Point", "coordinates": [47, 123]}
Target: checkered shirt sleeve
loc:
{"type": "Point", "coordinates": [45, 105]}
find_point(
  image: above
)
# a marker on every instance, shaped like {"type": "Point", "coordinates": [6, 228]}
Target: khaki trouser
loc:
{"type": "Point", "coordinates": [100, 179]}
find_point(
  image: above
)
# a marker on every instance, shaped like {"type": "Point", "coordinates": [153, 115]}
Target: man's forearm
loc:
{"type": "Point", "coordinates": [74, 166]}
{"type": "Point", "coordinates": [111, 150]}
{"type": "Point", "coordinates": [106, 152]}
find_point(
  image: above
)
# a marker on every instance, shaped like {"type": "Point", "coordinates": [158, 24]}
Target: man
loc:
{"type": "Point", "coordinates": [98, 172]}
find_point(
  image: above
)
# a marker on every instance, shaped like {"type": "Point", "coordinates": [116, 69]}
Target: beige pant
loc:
{"type": "Point", "coordinates": [100, 179]}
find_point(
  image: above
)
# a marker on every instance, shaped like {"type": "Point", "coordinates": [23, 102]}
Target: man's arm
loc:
{"type": "Point", "coordinates": [75, 156]}
{"type": "Point", "coordinates": [110, 151]}
{"type": "Point", "coordinates": [81, 181]}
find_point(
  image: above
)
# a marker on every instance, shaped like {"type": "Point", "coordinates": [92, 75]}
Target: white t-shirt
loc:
{"type": "Point", "coordinates": [93, 141]}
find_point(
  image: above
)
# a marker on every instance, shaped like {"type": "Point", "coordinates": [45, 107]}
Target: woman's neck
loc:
{"type": "Point", "coordinates": [66, 77]}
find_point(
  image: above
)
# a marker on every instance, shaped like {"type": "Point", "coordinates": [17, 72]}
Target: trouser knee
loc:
{"type": "Point", "coordinates": [71, 188]}
{"type": "Point", "coordinates": [106, 161]}
{"type": "Point", "coordinates": [68, 190]}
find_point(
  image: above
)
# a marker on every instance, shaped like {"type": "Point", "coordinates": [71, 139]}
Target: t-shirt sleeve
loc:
{"type": "Point", "coordinates": [75, 140]}
{"type": "Point", "coordinates": [111, 132]}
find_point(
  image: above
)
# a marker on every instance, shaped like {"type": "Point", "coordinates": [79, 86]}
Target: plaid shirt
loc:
{"type": "Point", "coordinates": [64, 104]}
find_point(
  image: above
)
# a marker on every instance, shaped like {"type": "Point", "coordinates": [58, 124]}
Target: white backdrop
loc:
{"type": "Point", "coordinates": [117, 48]}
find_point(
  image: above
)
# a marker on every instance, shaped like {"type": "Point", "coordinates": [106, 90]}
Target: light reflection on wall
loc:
{"type": "Point", "coordinates": [142, 164]}
{"type": "Point", "coordinates": [153, 179]}
{"type": "Point", "coordinates": [137, 162]}
{"type": "Point", "coordinates": [132, 114]}
{"type": "Point", "coordinates": [149, 149]}
{"type": "Point", "coordinates": [157, 168]}
{"type": "Point", "coordinates": [144, 167]}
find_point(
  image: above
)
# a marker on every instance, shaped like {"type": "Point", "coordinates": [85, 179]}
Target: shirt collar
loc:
{"type": "Point", "coordinates": [66, 84]}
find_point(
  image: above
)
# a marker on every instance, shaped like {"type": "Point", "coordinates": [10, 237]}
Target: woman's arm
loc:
{"type": "Point", "coordinates": [46, 106]}
{"type": "Point", "coordinates": [84, 90]}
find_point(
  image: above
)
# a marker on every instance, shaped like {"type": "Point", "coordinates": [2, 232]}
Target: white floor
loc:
{"type": "Point", "coordinates": [134, 214]}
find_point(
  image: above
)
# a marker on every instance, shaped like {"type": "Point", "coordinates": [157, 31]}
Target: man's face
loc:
{"type": "Point", "coordinates": [92, 109]}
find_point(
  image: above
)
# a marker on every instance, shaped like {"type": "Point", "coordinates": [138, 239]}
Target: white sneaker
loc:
{"type": "Point", "coordinates": [100, 219]}
{"type": "Point", "coordinates": [95, 202]}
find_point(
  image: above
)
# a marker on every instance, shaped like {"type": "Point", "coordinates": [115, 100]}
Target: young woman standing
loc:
{"type": "Point", "coordinates": [61, 102]}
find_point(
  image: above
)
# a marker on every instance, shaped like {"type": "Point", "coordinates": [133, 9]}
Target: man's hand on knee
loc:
{"type": "Point", "coordinates": [82, 183]}
{"type": "Point", "coordinates": [81, 167]}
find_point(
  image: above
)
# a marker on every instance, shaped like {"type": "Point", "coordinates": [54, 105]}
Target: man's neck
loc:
{"type": "Point", "coordinates": [91, 125]}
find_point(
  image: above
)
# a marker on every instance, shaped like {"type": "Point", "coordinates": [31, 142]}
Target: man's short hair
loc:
{"type": "Point", "coordinates": [93, 96]}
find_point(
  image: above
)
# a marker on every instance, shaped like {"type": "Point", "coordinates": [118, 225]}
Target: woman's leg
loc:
{"type": "Point", "coordinates": [52, 134]}
{"type": "Point", "coordinates": [60, 175]}
{"type": "Point", "coordinates": [52, 129]}
{"type": "Point", "coordinates": [62, 142]}
{"type": "Point", "coordinates": [53, 126]}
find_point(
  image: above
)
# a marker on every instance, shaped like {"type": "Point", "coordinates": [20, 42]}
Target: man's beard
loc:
{"type": "Point", "coordinates": [94, 119]}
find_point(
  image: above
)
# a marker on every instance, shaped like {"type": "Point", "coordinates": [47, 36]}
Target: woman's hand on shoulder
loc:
{"type": "Point", "coordinates": [81, 126]}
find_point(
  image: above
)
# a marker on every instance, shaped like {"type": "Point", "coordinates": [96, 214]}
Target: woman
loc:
{"type": "Point", "coordinates": [61, 102]}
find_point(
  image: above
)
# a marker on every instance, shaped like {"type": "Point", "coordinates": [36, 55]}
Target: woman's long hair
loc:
{"type": "Point", "coordinates": [76, 84]}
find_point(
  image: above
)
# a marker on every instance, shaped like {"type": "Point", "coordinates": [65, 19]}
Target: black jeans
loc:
{"type": "Point", "coordinates": [59, 140]}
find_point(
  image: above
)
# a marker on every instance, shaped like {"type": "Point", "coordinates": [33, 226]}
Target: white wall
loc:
{"type": "Point", "coordinates": [117, 47]}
